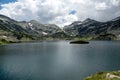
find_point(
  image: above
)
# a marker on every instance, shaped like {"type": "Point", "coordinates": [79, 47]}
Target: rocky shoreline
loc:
{"type": "Point", "coordinates": [113, 75]}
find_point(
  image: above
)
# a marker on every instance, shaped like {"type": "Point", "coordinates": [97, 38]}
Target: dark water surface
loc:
{"type": "Point", "coordinates": [57, 60]}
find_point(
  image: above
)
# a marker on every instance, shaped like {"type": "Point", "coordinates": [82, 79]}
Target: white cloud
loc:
{"type": "Point", "coordinates": [57, 11]}
{"type": "Point", "coordinates": [101, 6]}
{"type": "Point", "coordinates": [115, 2]}
{"type": "Point", "coordinates": [65, 20]}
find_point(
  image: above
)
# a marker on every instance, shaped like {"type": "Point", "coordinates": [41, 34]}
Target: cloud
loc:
{"type": "Point", "coordinates": [61, 12]}
{"type": "Point", "coordinates": [115, 2]}
{"type": "Point", "coordinates": [101, 6]}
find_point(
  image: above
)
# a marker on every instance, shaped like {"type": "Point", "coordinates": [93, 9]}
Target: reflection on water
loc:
{"type": "Point", "coordinates": [57, 60]}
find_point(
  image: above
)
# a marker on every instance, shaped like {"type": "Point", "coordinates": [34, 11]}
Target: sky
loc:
{"type": "Point", "coordinates": [60, 12]}
{"type": "Point", "coordinates": [7, 1]}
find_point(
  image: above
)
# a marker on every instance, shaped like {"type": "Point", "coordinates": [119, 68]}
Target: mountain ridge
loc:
{"type": "Point", "coordinates": [93, 28]}
{"type": "Point", "coordinates": [88, 28]}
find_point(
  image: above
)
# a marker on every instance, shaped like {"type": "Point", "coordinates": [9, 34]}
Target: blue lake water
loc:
{"type": "Point", "coordinates": [57, 60]}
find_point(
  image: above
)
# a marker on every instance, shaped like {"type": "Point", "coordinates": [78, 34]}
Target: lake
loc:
{"type": "Point", "coordinates": [57, 60]}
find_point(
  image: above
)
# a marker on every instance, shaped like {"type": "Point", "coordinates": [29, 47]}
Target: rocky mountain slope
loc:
{"type": "Point", "coordinates": [15, 30]}
{"type": "Point", "coordinates": [10, 30]}
{"type": "Point", "coordinates": [92, 28]}
{"type": "Point", "coordinates": [39, 29]}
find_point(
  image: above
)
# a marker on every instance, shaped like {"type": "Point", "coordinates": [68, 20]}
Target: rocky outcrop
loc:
{"type": "Point", "coordinates": [114, 75]}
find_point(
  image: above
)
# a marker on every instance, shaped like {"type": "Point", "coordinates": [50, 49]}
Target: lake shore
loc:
{"type": "Point", "coordinates": [113, 75]}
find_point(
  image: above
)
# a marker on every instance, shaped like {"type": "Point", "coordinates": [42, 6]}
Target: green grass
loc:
{"type": "Point", "coordinates": [83, 39]}
{"type": "Point", "coordinates": [102, 76]}
{"type": "Point", "coordinates": [3, 41]}
{"type": "Point", "coordinates": [25, 39]}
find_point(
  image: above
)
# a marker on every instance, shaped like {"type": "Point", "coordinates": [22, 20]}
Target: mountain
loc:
{"type": "Point", "coordinates": [27, 30]}
{"type": "Point", "coordinates": [72, 29]}
{"type": "Point", "coordinates": [16, 30]}
{"type": "Point", "coordinates": [93, 28]}
{"type": "Point", "coordinates": [38, 29]}
{"type": "Point", "coordinates": [84, 28]}
{"type": "Point", "coordinates": [8, 24]}
{"type": "Point", "coordinates": [10, 31]}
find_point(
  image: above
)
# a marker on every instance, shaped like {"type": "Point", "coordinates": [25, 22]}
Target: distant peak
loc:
{"type": "Point", "coordinates": [118, 18]}
{"type": "Point", "coordinates": [76, 23]}
{"type": "Point", "coordinates": [3, 17]}
{"type": "Point", "coordinates": [88, 19]}
{"type": "Point", "coordinates": [52, 25]}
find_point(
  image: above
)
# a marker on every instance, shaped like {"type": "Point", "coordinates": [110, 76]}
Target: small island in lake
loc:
{"type": "Point", "coordinates": [79, 42]}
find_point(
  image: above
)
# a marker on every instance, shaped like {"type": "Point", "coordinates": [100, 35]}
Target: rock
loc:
{"type": "Point", "coordinates": [114, 75]}
{"type": "Point", "coordinates": [110, 76]}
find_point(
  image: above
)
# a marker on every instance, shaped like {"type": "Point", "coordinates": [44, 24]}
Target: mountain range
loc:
{"type": "Point", "coordinates": [22, 30]}
{"type": "Point", "coordinates": [109, 30]}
